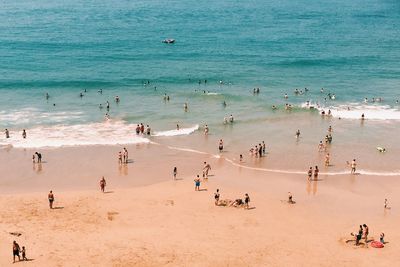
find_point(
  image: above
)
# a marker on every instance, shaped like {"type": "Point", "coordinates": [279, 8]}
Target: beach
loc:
{"type": "Point", "coordinates": [295, 106]}
{"type": "Point", "coordinates": [164, 222]}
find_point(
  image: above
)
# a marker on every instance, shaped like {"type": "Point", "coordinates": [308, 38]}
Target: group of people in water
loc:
{"type": "Point", "coordinates": [140, 129]}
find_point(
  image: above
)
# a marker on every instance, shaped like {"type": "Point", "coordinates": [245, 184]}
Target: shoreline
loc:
{"type": "Point", "coordinates": [122, 226]}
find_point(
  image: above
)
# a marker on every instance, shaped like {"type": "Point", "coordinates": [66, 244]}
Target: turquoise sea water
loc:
{"type": "Point", "coordinates": [350, 48]}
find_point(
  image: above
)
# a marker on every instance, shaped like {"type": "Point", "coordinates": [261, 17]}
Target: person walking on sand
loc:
{"type": "Point", "coordinates": [216, 197]}
{"type": "Point", "coordinates": [221, 145]}
{"type": "Point", "coordinates": [23, 252]}
{"type": "Point", "coordinates": [316, 172]}
{"type": "Point", "coordinates": [102, 184]}
{"type": "Point", "coordinates": [175, 172]}
{"type": "Point", "coordinates": [197, 183]}
{"type": "Point", "coordinates": [16, 250]}
{"type": "Point", "coordinates": [206, 169]}
{"type": "Point", "coordinates": [246, 201]}
{"type": "Point", "coordinates": [309, 174]}
{"type": "Point", "coordinates": [353, 166]}
{"type": "Point", "coordinates": [51, 199]}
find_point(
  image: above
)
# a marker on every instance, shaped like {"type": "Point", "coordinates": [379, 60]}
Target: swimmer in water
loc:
{"type": "Point", "coordinates": [100, 106]}
{"type": "Point", "coordinates": [47, 96]}
{"type": "Point", "coordinates": [231, 118]}
{"type": "Point", "coordinates": [81, 95]}
{"type": "Point", "coordinates": [286, 96]}
{"type": "Point", "coordinates": [23, 133]}
{"type": "Point", "coordinates": [298, 134]}
{"type": "Point", "coordinates": [185, 107]}
{"type": "Point", "coordinates": [117, 99]}
{"type": "Point", "coordinates": [177, 127]}
{"type": "Point", "coordinates": [362, 117]}
{"type": "Point", "coordinates": [148, 130]}
{"type": "Point", "coordinates": [274, 107]}
{"type": "Point", "coordinates": [206, 129]}
{"type": "Point", "coordinates": [224, 103]}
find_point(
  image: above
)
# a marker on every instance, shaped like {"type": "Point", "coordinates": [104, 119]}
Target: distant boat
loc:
{"type": "Point", "coordinates": [168, 41]}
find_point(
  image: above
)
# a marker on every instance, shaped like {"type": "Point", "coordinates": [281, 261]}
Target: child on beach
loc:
{"type": "Point", "coordinates": [197, 183]}
{"type": "Point", "coordinates": [175, 172]}
{"type": "Point", "coordinates": [216, 197]}
{"type": "Point", "coordinates": [23, 251]}
{"type": "Point", "coordinates": [246, 201]}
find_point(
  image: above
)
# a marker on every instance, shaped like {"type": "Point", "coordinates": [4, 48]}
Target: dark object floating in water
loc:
{"type": "Point", "coordinates": [168, 41]}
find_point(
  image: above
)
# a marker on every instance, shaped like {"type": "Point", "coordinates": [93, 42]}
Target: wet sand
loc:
{"type": "Point", "coordinates": [147, 219]}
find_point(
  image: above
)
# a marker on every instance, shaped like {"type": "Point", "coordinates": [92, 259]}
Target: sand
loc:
{"type": "Point", "coordinates": [162, 222]}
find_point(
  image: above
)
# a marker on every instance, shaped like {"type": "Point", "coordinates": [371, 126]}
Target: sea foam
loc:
{"type": "Point", "coordinates": [355, 110]}
{"type": "Point", "coordinates": [175, 132]}
{"type": "Point", "coordinates": [101, 133]}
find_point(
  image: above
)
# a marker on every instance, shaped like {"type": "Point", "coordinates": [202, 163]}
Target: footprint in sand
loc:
{"type": "Point", "coordinates": [111, 214]}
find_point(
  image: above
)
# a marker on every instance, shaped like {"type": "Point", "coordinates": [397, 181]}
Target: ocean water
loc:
{"type": "Point", "coordinates": [349, 48]}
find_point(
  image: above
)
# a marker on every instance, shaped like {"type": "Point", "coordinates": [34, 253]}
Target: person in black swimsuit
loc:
{"type": "Point", "coordinates": [246, 201]}
{"type": "Point", "coordinates": [51, 199]}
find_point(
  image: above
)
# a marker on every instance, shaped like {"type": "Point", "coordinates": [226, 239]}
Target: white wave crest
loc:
{"type": "Point", "coordinates": [101, 133]}
{"type": "Point", "coordinates": [175, 132]}
{"type": "Point", "coordinates": [355, 110]}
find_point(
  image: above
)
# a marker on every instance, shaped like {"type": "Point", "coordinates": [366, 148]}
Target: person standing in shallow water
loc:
{"type": "Point", "coordinates": [353, 166]}
{"type": "Point", "coordinates": [23, 133]}
{"type": "Point", "coordinates": [7, 133]}
{"type": "Point", "coordinates": [221, 145]}
{"type": "Point", "coordinates": [51, 199]}
{"type": "Point", "coordinates": [316, 172]}
{"type": "Point", "coordinates": [310, 171]}
{"type": "Point", "coordinates": [102, 184]}
{"type": "Point", "coordinates": [175, 172]}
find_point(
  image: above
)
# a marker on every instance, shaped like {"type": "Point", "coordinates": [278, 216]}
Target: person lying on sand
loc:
{"type": "Point", "coordinates": [237, 203]}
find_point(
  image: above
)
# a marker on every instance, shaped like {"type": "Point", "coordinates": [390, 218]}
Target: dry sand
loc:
{"type": "Point", "coordinates": [162, 222]}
